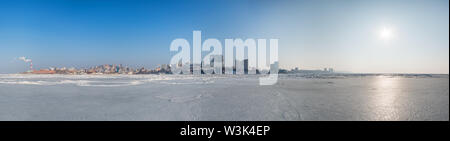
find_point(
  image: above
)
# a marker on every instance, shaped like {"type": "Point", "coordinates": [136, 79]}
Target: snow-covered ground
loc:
{"type": "Point", "coordinates": [234, 97]}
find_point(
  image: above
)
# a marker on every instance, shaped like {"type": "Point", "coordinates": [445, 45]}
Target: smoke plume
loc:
{"type": "Point", "coordinates": [24, 59]}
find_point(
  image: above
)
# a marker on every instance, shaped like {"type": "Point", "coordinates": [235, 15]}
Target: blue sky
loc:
{"type": "Point", "coordinates": [343, 34]}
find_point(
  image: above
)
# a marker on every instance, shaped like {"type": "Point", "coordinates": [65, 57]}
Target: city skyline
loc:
{"type": "Point", "coordinates": [160, 69]}
{"type": "Point", "coordinates": [367, 37]}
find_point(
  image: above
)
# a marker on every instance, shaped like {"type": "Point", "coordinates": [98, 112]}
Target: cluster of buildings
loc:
{"type": "Point", "coordinates": [247, 68]}
{"type": "Point", "coordinates": [165, 69]}
{"type": "Point", "coordinates": [104, 69]}
{"type": "Point", "coordinates": [297, 70]}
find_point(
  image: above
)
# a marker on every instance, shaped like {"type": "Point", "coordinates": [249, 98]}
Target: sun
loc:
{"type": "Point", "coordinates": [386, 33]}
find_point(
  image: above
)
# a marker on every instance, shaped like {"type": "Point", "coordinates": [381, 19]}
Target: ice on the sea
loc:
{"type": "Point", "coordinates": [102, 80]}
{"type": "Point", "coordinates": [224, 97]}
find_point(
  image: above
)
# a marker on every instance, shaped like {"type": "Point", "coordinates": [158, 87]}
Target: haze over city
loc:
{"type": "Point", "coordinates": [350, 36]}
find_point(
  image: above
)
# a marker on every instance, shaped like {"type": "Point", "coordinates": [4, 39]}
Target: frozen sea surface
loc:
{"type": "Point", "coordinates": [235, 97]}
